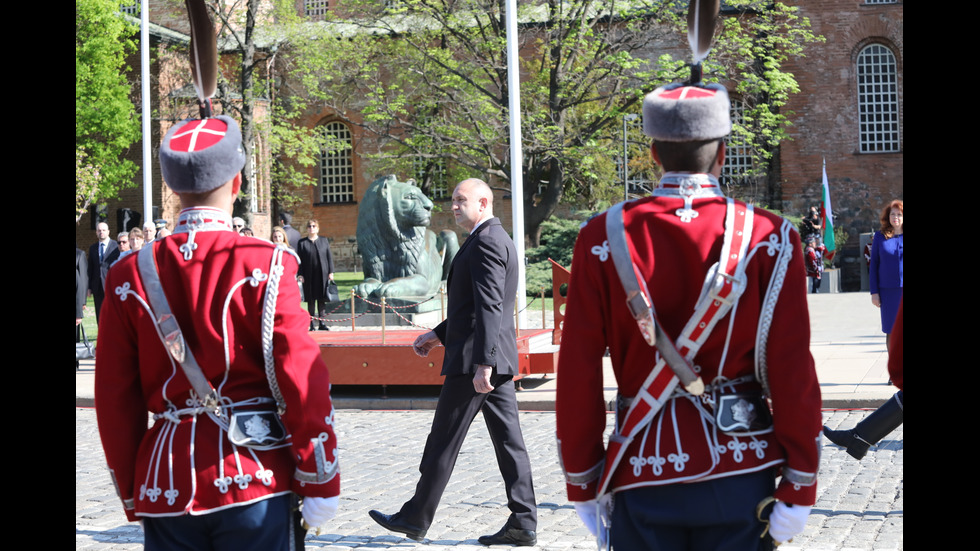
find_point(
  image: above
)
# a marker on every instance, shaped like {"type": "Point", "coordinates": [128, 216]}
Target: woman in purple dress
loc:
{"type": "Point", "coordinates": [885, 270]}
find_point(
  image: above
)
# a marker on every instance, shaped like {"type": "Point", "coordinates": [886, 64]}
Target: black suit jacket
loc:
{"type": "Point", "coordinates": [314, 255]}
{"type": "Point", "coordinates": [97, 270]}
{"type": "Point", "coordinates": [482, 287]}
{"type": "Point", "coordinates": [292, 235]}
{"type": "Point", "coordinates": [81, 281]}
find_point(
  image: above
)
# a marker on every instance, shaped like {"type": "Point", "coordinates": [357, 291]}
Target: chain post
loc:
{"type": "Point", "coordinates": [542, 309]}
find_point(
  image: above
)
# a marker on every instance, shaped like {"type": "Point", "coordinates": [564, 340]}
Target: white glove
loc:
{"type": "Point", "coordinates": [589, 514]}
{"type": "Point", "coordinates": [317, 511]}
{"type": "Point", "coordinates": [787, 521]}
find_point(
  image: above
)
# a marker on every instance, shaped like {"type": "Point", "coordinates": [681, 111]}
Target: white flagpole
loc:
{"type": "Point", "coordinates": [516, 159]}
{"type": "Point", "coordinates": [145, 99]}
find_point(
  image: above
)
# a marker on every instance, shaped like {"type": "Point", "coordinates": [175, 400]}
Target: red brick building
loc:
{"type": "Point", "coordinates": [850, 111]}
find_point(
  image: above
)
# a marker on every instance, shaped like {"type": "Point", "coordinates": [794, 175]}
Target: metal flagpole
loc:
{"type": "Point", "coordinates": [145, 99]}
{"type": "Point", "coordinates": [516, 159]}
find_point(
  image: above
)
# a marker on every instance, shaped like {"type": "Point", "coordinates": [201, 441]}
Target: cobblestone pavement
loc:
{"type": "Point", "coordinates": [859, 505]}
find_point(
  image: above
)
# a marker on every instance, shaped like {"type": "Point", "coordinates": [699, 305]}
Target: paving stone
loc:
{"type": "Point", "coordinates": [859, 503]}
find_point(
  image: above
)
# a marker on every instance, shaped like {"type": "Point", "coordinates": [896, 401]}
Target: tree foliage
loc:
{"type": "Point", "coordinates": [753, 45]}
{"type": "Point", "coordinates": [250, 38]}
{"type": "Point", "coordinates": [558, 236]}
{"type": "Point", "coordinates": [106, 124]}
{"type": "Point", "coordinates": [429, 79]}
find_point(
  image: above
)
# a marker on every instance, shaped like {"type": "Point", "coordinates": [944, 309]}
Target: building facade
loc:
{"type": "Point", "coordinates": [849, 113]}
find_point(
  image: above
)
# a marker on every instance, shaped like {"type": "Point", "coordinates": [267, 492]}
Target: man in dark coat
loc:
{"type": "Point", "coordinates": [101, 255]}
{"type": "Point", "coordinates": [480, 363]}
{"type": "Point", "coordinates": [81, 291]}
{"type": "Point", "coordinates": [316, 271]}
{"type": "Point", "coordinates": [292, 234]}
{"type": "Point", "coordinates": [81, 284]}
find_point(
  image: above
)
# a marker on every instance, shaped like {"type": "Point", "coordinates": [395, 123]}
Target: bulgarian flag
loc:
{"type": "Point", "coordinates": [827, 217]}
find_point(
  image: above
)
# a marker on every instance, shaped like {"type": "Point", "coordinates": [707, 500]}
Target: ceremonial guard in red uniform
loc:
{"type": "Point", "coordinates": [242, 421]}
{"type": "Point", "coordinates": [699, 300]}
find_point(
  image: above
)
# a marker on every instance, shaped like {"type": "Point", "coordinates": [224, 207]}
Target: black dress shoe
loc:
{"type": "Point", "coordinates": [511, 536]}
{"type": "Point", "coordinates": [395, 524]}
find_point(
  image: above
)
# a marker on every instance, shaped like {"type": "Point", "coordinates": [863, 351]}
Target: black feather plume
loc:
{"type": "Point", "coordinates": [204, 54]}
{"type": "Point", "coordinates": [701, 15]}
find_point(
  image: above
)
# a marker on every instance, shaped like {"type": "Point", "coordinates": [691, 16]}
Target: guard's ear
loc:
{"type": "Point", "coordinates": [236, 185]}
{"type": "Point", "coordinates": [721, 154]}
{"type": "Point", "coordinates": [654, 154]}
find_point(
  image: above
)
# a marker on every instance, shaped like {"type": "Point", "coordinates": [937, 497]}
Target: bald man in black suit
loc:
{"type": "Point", "coordinates": [480, 363]}
{"type": "Point", "coordinates": [101, 255]}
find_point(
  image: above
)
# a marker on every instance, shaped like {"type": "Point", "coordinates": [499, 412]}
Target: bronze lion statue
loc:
{"type": "Point", "coordinates": [402, 257]}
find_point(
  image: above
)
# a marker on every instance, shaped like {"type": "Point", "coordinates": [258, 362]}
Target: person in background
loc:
{"type": "Point", "coordinates": [885, 269]}
{"type": "Point", "coordinates": [814, 262]}
{"type": "Point", "coordinates": [136, 242]}
{"type": "Point", "coordinates": [292, 235]}
{"type": "Point", "coordinates": [279, 236]}
{"type": "Point", "coordinates": [101, 255]}
{"type": "Point", "coordinates": [316, 272]}
{"type": "Point", "coordinates": [149, 231]}
{"type": "Point", "coordinates": [81, 292]}
{"type": "Point", "coordinates": [123, 240]}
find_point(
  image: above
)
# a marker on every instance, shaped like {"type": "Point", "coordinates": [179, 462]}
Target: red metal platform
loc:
{"type": "Point", "coordinates": [361, 358]}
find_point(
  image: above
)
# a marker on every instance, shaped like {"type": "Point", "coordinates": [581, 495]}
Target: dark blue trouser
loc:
{"type": "Point", "coordinates": [715, 515]}
{"type": "Point", "coordinates": [267, 525]}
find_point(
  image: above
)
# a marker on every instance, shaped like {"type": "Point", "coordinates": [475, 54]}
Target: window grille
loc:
{"type": "Point", "coordinates": [316, 9]}
{"type": "Point", "coordinates": [253, 173]}
{"type": "Point", "coordinates": [738, 153]}
{"type": "Point", "coordinates": [877, 86]}
{"type": "Point", "coordinates": [337, 165]}
{"type": "Point", "coordinates": [439, 183]}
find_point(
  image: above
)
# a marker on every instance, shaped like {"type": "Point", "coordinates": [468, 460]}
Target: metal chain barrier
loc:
{"type": "Point", "coordinates": [394, 310]}
{"type": "Point", "coordinates": [383, 307]}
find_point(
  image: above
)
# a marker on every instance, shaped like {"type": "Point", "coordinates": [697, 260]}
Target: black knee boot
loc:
{"type": "Point", "coordinates": [871, 429]}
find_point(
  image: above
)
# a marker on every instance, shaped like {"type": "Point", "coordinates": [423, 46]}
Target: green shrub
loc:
{"type": "Point", "coordinates": [558, 237]}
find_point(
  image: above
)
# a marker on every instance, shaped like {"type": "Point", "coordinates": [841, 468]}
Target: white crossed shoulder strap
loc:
{"type": "Point", "coordinates": [723, 286]}
{"type": "Point", "coordinates": [170, 333]}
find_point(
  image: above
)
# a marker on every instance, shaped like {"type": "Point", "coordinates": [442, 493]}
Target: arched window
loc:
{"type": "Point", "coordinates": [253, 177]}
{"type": "Point", "coordinates": [738, 153]}
{"type": "Point", "coordinates": [316, 9]}
{"type": "Point", "coordinates": [877, 87]}
{"type": "Point", "coordinates": [337, 164]}
{"type": "Point", "coordinates": [257, 167]}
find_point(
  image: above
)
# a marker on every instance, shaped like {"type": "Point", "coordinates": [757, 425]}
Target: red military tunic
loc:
{"type": "Point", "coordinates": [216, 282]}
{"type": "Point", "coordinates": [682, 444]}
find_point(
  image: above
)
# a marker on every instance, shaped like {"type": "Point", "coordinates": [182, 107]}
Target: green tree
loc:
{"type": "Point", "coordinates": [250, 36]}
{"type": "Point", "coordinates": [429, 78]}
{"type": "Point", "coordinates": [106, 124]}
{"type": "Point", "coordinates": [558, 236]}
